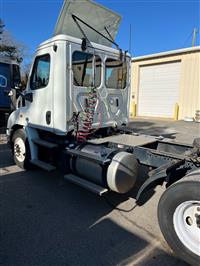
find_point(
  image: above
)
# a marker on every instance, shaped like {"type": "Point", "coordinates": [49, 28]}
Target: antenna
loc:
{"type": "Point", "coordinates": [194, 36]}
{"type": "Point", "coordinates": [130, 39]}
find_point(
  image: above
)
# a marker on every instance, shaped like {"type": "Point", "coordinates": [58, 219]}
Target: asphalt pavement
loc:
{"type": "Point", "coordinates": [45, 220]}
{"type": "Point", "coordinates": [177, 131]}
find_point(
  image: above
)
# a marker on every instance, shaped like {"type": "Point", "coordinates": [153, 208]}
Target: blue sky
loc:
{"type": "Point", "coordinates": [156, 25]}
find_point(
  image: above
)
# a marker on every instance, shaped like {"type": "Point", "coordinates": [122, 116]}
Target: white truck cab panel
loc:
{"type": "Point", "coordinates": [40, 84]}
{"type": "Point", "coordinates": [59, 80]}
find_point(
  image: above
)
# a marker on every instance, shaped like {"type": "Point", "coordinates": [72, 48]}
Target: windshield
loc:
{"type": "Point", "coordinates": [116, 74]}
{"type": "Point", "coordinates": [4, 75]}
{"type": "Point", "coordinates": [9, 75]}
{"type": "Point", "coordinates": [16, 74]}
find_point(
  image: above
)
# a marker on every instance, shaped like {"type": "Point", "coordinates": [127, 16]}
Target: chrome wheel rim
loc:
{"type": "Point", "coordinates": [186, 220]}
{"type": "Point", "coordinates": [19, 149]}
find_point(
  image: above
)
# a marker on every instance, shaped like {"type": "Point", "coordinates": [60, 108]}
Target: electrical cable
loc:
{"type": "Point", "coordinates": [88, 118]}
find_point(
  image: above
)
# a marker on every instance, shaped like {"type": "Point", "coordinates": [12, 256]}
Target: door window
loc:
{"type": "Point", "coordinates": [41, 71]}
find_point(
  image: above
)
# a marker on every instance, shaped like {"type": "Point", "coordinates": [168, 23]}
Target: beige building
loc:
{"type": "Point", "coordinates": [166, 85]}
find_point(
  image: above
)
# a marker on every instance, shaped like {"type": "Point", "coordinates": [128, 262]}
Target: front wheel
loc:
{"type": "Point", "coordinates": [179, 217]}
{"type": "Point", "coordinates": [21, 150]}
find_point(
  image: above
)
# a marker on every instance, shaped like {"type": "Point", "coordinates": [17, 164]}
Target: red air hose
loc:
{"type": "Point", "coordinates": [88, 118]}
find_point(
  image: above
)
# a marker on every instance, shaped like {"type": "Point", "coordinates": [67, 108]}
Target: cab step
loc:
{"type": "Point", "coordinates": [43, 165]}
{"type": "Point", "coordinates": [86, 184]}
{"type": "Point", "coordinates": [45, 143]}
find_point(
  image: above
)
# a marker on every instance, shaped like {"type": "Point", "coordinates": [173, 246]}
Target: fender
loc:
{"type": "Point", "coordinates": [14, 122]}
{"type": "Point", "coordinates": [158, 175]}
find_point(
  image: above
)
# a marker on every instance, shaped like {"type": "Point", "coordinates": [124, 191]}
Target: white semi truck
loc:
{"type": "Point", "coordinates": [73, 116]}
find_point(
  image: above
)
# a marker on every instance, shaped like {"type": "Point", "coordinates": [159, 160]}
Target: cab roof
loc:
{"type": "Point", "coordinates": [67, 38]}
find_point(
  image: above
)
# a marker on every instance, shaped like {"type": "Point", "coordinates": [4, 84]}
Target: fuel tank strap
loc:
{"type": "Point", "coordinates": [91, 157]}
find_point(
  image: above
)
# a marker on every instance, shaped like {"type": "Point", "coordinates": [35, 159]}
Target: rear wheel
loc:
{"type": "Point", "coordinates": [21, 150]}
{"type": "Point", "coordinates": [179, 217]}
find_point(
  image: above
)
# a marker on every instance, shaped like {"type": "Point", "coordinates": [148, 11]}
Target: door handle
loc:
{"type": "Point", "coordinates": [117, 102]}
{"type": "Point", "coordinates": [48, 117]}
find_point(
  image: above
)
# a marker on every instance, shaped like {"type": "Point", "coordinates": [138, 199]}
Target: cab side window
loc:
{"type": "Point", "coordinates": [86, 69]}
{"type": "Point", "coordinates": [116, 74]}
{"type": "Point", "coordinates": [41, 71]}
{"type": "Point", "coordinates": [82, 68]}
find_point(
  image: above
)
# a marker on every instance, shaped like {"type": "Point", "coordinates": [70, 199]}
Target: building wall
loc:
{"type": "Point", "coordinates": [189, 88]}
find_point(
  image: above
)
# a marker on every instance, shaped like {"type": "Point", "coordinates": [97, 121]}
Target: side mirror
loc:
{"type": "Point", "coordinates": [17, 86]}
{"type": "Point", "coordinates": [84, 44]}
{"type": "Point", "coordinates": [17, 91]}
{"type": "Point", "coordinates": [28, 96]}
{"type": "Point", "coordinates": [10, 94]}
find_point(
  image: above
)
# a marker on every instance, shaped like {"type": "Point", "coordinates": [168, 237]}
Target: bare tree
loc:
{"type": "Point", "coordinates": [15, 50]}
{"type": "Point", "coordinates": [11, 48]}
{"type": "Point", "coordinates": [1, 26]}
{"type": "Point", "coordinates": [25, 70]}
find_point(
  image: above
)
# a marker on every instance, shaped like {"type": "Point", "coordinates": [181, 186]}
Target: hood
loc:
{"type": "Point", "coordinates": [93, 14]}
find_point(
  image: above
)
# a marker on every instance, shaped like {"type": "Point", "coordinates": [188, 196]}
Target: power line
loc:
{"type": "Point", "coordinates": [187, 39]}
{"type": "Point", "coordinates": [195, 31]}
{"type": "Point", "coordinates": [191, 37]}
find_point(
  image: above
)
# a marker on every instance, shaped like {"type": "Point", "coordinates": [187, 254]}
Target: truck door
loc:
{"type": "Point", "coordinates": [5, 85]}
{"type": "Point", "coordinates": [117, 84]}
{"type": "Point", "coordinates": [40, 85]}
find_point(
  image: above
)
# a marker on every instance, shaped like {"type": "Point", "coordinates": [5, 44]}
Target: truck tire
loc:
{"type": "Point", "coordinates": [21, 150]}
{"type": "Point", "coordinates": [179, 217]}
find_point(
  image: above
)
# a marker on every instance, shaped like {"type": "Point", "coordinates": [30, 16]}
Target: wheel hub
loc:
{"type": "Point", "coordinates": [186, 221]}
{"type": "Point", "coordinates": [197, 216]}
{"type": "Point", "coordinates": [19, 149]}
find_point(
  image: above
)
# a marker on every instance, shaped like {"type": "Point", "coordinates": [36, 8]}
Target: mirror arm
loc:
{"type": "Point", "coordinates": [28, 96]}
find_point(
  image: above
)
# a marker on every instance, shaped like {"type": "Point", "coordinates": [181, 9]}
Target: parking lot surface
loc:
{"type": "Point", "coordinates": [45, 220]}
{"type": "Point", "coordinates": [178, 131]}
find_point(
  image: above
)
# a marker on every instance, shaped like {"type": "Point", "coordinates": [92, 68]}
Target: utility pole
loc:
{"type": "Point", "coordinates": [194, 36]}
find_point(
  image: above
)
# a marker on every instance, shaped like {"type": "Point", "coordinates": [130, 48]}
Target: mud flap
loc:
{"type": "Point", "coordinates": [159, 174]}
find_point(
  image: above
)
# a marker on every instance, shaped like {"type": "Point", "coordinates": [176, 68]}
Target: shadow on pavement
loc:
{"type": "Point", "coordinates": [6, 156]}
{"type": "Point", "coordinates": [47, 221]}
{"type": "Point", "coordinates": [3, 130]}
{"type": "Point", "coordinates": [150, 128]}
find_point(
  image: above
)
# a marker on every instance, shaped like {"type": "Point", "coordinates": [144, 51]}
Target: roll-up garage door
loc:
{"type": "Point", "coordinates": [158, 89]}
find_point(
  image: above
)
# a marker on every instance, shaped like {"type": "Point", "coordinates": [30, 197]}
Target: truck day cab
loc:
{"type": "Point", "coordinates": [72, 117]}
